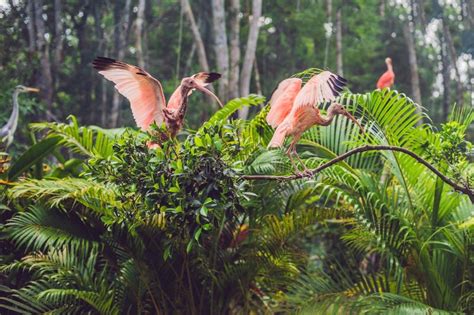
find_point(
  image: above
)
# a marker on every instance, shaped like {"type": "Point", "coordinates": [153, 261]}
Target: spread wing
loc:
{"type": "Point", "coordinates": [325, 86]}
{"type": "Point", "coordinates": [282, 100]}
{"type": "Point", "coordinates": [202, 79]}
{"type": "Point", "coordinates": [142, 90]}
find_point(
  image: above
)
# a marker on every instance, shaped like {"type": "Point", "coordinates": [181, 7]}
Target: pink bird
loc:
{"type": "Point", "coordinates": [387, 79]}
{"type": "Point", "coordinates": [146, 97]}
{"type": "Point", "coordinates": [295, 109]}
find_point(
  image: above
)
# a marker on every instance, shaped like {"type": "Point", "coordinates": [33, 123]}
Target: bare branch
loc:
{"type": "Point", "coordinates": [311, 173]}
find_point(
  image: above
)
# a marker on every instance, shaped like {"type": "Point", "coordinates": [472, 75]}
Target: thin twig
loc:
{"type": "Point", "coordinates": [365, 148]}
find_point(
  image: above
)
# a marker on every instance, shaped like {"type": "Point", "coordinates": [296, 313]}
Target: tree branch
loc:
{"type": "Point", "coordinates": [365, 148]}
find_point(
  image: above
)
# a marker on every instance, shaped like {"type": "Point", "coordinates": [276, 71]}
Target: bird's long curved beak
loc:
{"type": "Point", "coordinates": [206, 91]}
{"type": "Point", "coordinates": [348, 115]}
{"type": "Point", "coordinates": [34, 90]}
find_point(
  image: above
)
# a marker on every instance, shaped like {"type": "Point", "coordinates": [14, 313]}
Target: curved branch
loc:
{"type": "Point", "coordinates": [365, 148]}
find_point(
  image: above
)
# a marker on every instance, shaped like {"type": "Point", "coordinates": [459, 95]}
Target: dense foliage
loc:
{"type": "Point", "coordinates": [293, 36]}
{"type": "Point", "coordinates": [97, 222]}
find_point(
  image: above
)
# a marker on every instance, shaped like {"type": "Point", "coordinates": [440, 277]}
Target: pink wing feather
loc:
{"type": "Point", "coordinates": [325, 86]}
{"type": "Point", "coordinates": [142, 90]}
{"type": "Point", "coordinates": [282, 100]}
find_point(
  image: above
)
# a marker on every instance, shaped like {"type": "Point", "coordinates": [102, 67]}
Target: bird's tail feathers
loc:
{"type": "Point", "coordinates": [278, 137]}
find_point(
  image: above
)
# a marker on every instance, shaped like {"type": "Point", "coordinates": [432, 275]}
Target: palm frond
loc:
{"type": "Point", "coordinates": [90, 142]}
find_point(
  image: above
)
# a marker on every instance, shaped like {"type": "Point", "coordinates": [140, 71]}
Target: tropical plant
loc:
{"type": "Point", "coordinates": [181, 229]}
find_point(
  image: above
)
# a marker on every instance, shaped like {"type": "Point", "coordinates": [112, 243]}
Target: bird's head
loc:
{"type": "Point", "coordinates": [25, 89]}
{"type": "Point", "coordinates": [192, 83]}
{"type": "Point", "coordinates": [388, 60]}
{"type": "Point", "coordinates": [338, 109]}
{"type": "Point", "coordinates": [189, 83]}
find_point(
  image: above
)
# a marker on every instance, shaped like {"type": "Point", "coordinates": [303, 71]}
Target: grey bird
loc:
{"type": "Point", "coordinates": [8, 130]}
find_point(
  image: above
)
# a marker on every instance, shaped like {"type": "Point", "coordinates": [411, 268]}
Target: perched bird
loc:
{"type": "Point", "coordinates": [294, 109]}
{"type": "Point", "coordinates": [387, 79]}
{"type": "Point", "coordinates": [146, 97]}
{"type": "Point", "coordinates": [7, 132]}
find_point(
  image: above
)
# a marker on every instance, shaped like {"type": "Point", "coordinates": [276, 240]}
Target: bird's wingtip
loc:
{"type": "Point", "coordinates": [104, 63]}
{"type": "Point", "coordinates": [212, 76]}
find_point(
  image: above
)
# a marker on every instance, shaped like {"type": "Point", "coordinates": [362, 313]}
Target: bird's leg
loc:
{"type": "Point", "coordinates": [292, 151]}
{"type": "Point", "coordinates": [289, 152]}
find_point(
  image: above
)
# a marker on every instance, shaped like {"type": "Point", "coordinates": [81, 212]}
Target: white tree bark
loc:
{"type": "Point", "coordinates": [139, 28]}
{"type": "Point", "coordinates": [121, 30]}
{"type": "Point", "coordinates": [453, 56]}
{"type": "Point", "coordinates": [339, 64]}
{"type": "Point", "coordinates": [412, 59]}
{"type": "Point", "coordinates": [31, 26]}
{"type": "Point", "coordinates": [46, 80]}
{"type": "Point", "coordinates": [234, 71]}
{"type": "Point", "coordinates": [220, 47]}
{"type": "Point", "coordinates": [250, 54]}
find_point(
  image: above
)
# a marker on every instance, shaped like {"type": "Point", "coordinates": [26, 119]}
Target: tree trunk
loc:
{"type": "Point", "coordinates": [58, 41]}
{"type": "Point", "coordinates": [139, 33]}
{"type": "Point", "coordinates": [258, 85]}
{"type": "Point", "coordinates": [122, 20]}
{"type": "Point", "coordinates": [446, 79]}
{"type": "Point", "coordinates": [220, 47]}
{"type": "Point", "coordinates": [46, 80]}
{"type": "Point", "coordinates": [31, 26]}
{"type": "Point", "coordinates": [201, 51]}
{"type": "Point", "coordinates": [234, 48]}
{"type": "Point", "coordinates": [453, 56]}
{"type": "Point", "coordinates": [421, 14]}
{"type": "Point", "coordinates": [328, 35]}
{"type": "Point", "coordinates": [468, 13]}
{"type": "Point", "coordinates": [414, 78]}
{"type": "Point", "coordinates": [382, 8]}
{"type": "Point", "coordinates": [250, 54]}
{"type": "Point", "coordinates": [58, 32]}
{"type": "Point", "coordinates": [339, 65]}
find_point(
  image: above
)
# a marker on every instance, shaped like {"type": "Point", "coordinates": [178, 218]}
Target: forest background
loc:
{"type": "Point", "coordinates": [254, 44]}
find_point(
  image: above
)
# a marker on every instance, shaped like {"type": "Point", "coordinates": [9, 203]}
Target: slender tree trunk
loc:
{"type": "Point", "coordinates": [469, 13]}
{"type": "Point", "coordinates": [234, 24]}
{"type": "Point", "coordinates": [258, 85]}
{"type": "Point", "coordinates": [339, 64]}
{"type": "Point", "coordinates": [250, 51]}
{"type": "Point", "coordinates": [122, 19]}
{"type": "Point", "coordinates": [139, 33]}
{"type": "Point", "coordinates": [58, 30]}
{"type": "Point", "coordinates": [446, 80]}
{"type": "Point", "coordinates": [414, 78]}
{"type": "Point", "coordinates": [58, 41]}
{"type": "Point", "coordinates": [421, 14]}
{"type": "Point", "coordinates": [31, 26]}
{"type": "Point", "coordinates": [328, 34]}
{"type": "Point", "coordinates": [329, 10]}
{"type": "Point", "coordinates": [220, 47]}
{"type": "Point", "coordinates": [382, 8]}
{"type": "Point", "coordinates": [201, 51]}
{"type": "Point", "coordinates": [453, 57]}
{"type": "Point", "coordinates": [46, 79]}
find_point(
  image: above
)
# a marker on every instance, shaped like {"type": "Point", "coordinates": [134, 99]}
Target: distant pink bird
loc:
{"type": "Point", "coordinates": [294, 109]}
{"type": "Point", "coordinates": [146, 97]}
{"type": "Point", "coordinates": [387, 79]}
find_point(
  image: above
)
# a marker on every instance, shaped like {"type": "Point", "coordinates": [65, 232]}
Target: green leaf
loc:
{"type": "Point", "coordinates": [33, 155]}
{"type": "Point", "coordinates": [198, 142]}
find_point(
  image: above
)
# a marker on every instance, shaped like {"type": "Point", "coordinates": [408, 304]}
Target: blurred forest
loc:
{"type": "Point", "coordinates": [50, 45]}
